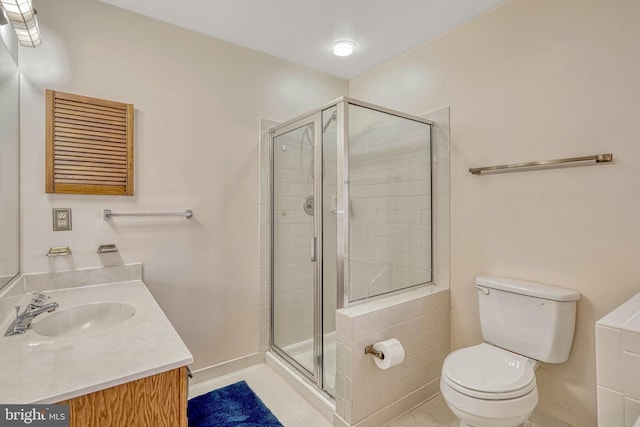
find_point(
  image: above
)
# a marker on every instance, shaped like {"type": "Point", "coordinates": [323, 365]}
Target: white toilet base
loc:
{"type": "Point", "coordinates": [489, 413]}
{"type": "Point", "coordinates": [476, 421]}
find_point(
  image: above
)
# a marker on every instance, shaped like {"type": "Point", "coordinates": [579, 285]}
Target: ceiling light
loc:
{"type": "Point", "coordinates": [343, 48]}
{"type": "Point", "coordinates": [23, 17]}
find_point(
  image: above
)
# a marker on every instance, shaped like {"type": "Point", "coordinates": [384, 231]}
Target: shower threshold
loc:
{"type": "Point", "coordinates": [321, 402]}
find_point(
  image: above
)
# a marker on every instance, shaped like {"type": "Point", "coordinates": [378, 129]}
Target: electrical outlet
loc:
{"type": "Point", "coordinates": [61, 219]}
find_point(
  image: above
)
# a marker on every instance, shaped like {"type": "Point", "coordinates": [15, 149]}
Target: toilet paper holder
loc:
{"type": "Point", "coordinates": [370, 350]}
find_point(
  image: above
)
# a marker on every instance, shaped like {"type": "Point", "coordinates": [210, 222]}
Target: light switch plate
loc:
{"type": "Point", "coordinates": [61, 219]}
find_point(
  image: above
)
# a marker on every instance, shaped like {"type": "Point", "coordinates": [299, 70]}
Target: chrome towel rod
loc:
{"type": "Point", "coordinates": [107, 214]}
{"type": "Point", "coordinates": [597, 158]}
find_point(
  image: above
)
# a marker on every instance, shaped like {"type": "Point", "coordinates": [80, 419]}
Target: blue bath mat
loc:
{"type": "Point", "coordinates": [235, 405]}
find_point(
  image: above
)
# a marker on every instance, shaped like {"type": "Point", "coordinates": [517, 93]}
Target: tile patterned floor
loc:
{"type": "Point", "coordinates": [293, 411]}
{"type": "Point", "coordinates": [433, 413]}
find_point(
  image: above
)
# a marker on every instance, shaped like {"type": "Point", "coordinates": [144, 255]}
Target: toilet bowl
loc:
{"type": "Point", "coordinates": [486, 386]}
{"type": "Point", "coordinates": [493, 384]}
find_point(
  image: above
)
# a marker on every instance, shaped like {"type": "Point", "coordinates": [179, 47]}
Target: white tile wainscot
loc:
{"type": "Point", "coordinates": [419, 318]}
{"type": "Point", "coordinates": [618, 365]}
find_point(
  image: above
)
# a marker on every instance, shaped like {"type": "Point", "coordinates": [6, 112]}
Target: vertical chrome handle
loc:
{"type": "Point", "coordinates": [313, 250]}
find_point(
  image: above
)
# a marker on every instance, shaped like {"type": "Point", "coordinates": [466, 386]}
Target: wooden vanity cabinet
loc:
{"type": "Point", "coordinates": [158, 400]}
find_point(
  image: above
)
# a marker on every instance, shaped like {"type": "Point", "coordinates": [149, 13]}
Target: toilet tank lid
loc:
{"type": "Point", "coordinates": [525, 287]}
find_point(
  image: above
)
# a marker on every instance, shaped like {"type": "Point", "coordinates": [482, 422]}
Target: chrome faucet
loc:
{"type": "Point", "coordinates": [36, 307]}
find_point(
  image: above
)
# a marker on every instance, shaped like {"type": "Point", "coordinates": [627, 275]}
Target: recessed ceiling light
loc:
{"type": "Point", "coordinates": [343, 48]}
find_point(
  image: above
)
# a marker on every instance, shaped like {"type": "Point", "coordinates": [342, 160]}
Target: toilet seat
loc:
{"type": "Point", "coordinates": [488, 372]}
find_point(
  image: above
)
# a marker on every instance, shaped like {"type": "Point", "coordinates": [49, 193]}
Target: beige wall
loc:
{"type": "Point", "coordinates": [198, 101]}
{"type": "Point", "coordinates": [534, 80]}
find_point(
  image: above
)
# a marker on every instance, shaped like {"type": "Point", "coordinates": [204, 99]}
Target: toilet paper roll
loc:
{"type": "Point", "coordinates": [393, 353]}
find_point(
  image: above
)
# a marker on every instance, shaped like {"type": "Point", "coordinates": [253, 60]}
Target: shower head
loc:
{"type": "Point", "coordinates": [306, 134]}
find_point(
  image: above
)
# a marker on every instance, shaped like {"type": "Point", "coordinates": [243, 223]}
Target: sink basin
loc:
{"type": "Point", "coordinates": [83, 319]}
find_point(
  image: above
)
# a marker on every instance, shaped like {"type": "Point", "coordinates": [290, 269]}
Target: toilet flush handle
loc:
{"type": "Point", "coordinates": [483, 289]}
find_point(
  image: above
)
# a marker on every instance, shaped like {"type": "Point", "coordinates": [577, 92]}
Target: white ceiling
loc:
{"type": "Point", "coordinates": [302, 31]}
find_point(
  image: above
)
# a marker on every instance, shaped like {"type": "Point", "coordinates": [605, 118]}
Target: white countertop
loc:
{"type": "Point", "coordinates": [38, 369]}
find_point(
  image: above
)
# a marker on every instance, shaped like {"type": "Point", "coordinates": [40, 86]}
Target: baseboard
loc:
{"type": "Point", "coordinates": [540, 419]}
{"type": "Point", "coordinates": [207, 374]}
{"type": "Point", "coordinates": [399, 407]}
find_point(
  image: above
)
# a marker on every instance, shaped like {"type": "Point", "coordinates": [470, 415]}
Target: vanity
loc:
{"type": "Point", "coordinates": [107, 350]}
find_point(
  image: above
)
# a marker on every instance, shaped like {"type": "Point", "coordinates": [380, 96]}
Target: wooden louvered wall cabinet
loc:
{"type": "Point", "coordinates": [89, 145]}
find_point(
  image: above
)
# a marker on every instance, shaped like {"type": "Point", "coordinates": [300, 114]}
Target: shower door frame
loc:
{"type": "Point", "coordinates": [342, 221]}
{"type": "Point", "coordinates": [314, 119]}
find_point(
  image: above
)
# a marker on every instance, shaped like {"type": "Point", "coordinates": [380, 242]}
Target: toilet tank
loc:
{"type": "Point", "coordinates": [528, 318]}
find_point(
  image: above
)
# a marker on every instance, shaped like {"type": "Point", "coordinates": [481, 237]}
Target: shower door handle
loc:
{"type": "Point", "coordinates": [313, 250]}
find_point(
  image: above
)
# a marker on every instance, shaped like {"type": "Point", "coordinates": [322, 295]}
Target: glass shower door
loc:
{"type": "Point", "coordinates": [295, 277]}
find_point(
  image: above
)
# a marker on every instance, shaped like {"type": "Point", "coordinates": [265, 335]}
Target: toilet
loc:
{"type": "Point", "coordinates": [493, 384]}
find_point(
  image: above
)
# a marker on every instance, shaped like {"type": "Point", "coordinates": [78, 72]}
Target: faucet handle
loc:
{"type": "Point", "coordinates": [38, 299]}
{"type": "Point", "coordinates": [40, 295]}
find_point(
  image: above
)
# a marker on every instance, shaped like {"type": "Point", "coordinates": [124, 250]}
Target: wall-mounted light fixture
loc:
{"type": "Point", "coordinates": [23, 17]}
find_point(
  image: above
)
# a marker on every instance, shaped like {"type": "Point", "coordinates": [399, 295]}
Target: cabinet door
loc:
{"type": "Point", "coordinates": [159, 400]}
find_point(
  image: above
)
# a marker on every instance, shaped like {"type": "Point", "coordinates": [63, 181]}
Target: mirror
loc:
{"type": "Point", "coordinates": [9, 157]}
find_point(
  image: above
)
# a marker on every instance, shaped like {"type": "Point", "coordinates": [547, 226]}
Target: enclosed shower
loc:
{"type": "Point", "coordinates": [350, 209]}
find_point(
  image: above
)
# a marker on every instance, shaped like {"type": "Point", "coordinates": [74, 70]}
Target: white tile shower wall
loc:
{"type": "Point", "coordinates": [293, 232]}
{"type": "Point", "coordinates": [390, 192]}
{"type": "Point", "coordinates": [419, 318]}
{"type": "Point", "coordinates": [618, 365]}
